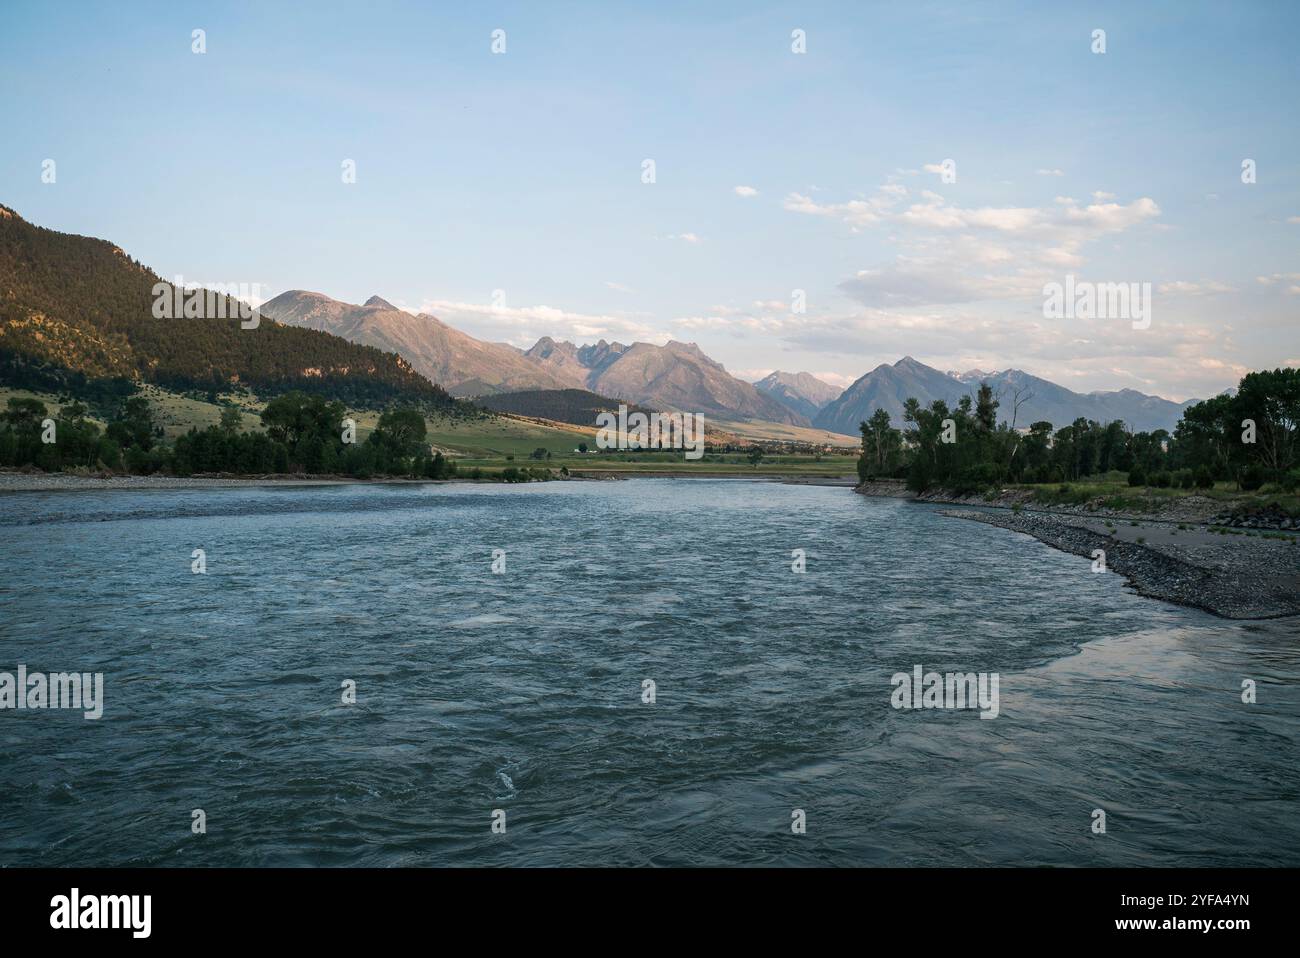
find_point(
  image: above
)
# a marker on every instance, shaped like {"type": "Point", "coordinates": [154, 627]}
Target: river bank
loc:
{"type": "Point", "coordinates": [1180, 551]}
{"type": "Point", "coordinates": [1230, 576]}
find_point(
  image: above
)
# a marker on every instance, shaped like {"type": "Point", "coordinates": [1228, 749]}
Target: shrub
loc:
{"type": "Point", "coordinates": [920, 475]}
{"type": "Point", "coordinates": [1204, 478]}
{"type": "Point", "coordinates": [1137, 477]}
{"type": "Point", "coordinates": [977, 478]}
{"type": "Point", "coordinates": [1250, 478]}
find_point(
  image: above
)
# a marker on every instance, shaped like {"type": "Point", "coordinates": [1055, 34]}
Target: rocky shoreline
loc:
{"type": "Point", "coordinates": [1229, 577]}
{"type": "Point", "coordinates": [1188, 552]}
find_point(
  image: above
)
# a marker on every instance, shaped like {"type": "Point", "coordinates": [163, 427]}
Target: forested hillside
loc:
{"type": "Point", "coordinates": [76, 315]}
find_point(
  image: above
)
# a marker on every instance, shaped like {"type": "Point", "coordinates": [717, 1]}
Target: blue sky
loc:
{"type": "Point", "coordinates": [522, 172]}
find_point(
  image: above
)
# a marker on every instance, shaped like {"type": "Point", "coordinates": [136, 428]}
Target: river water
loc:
{"type": "Point", "coordinates": [524, 690]}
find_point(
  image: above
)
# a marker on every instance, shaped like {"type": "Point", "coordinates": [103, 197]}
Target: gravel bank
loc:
{"type": "Point", "coordinates": [1231, 576]}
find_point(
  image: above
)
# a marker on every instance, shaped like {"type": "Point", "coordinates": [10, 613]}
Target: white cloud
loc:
{"type": "Point", "coordinates": [1050, 172]}
{"type": "Point", "coordinates": [856, 213]}
{"type": "Point", "coordinates": [1066, 222]}
{"type": "Point", "coordinates": [1291, 280]}
{"type": "Point", "coordinates": [955, 254]}
{"type": "Point", "coordinates": [837, 379]}
{"type": "Point", "coordinates": [691, 238]}
{"type": "Point", "coordinates": [965, 282]}
{"type": "Point", "coordinates": [522, 324]}
{"type": "Point", "coordinates": [742, 322]}
{"type": "Point", "coordinates": [1203, 288]}
{"type": "Point", "coordinates": [745, 191]}
{"type": "Point", "coordinates": [910, 283]}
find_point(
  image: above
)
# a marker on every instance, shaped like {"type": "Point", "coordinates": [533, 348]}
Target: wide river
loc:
{"type": "Point", "coordinates": [523, 690]}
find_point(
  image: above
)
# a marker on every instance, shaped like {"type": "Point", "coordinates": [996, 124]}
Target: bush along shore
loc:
{"type": "Point", "coordinates": [1178, 549]}
{"type": "Point", "coordinates": [1228, 510]}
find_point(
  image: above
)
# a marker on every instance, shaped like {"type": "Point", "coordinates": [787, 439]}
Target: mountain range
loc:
{"type": "Point", "coordinates": [676, 376]}
{"type": "Point", "coordinates": [803, 393]}
{"type": "Point", "coordinates": [75, 309]}
{"type": "Point", "coordinates": [888, 387]}
{"type": "Point", "coordinates": [673, 376]}
{"type": "Point", "coordinates": [679, 376]}
{"type": "Point", "coordinates": [458, 362]}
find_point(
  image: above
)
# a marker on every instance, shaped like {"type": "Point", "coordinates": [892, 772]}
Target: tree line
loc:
{"type": "Point", "coordinates": [303, 433]}
{"type": "Point", "coordinates": [1248, 437]}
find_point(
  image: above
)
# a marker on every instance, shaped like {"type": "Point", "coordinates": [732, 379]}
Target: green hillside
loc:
{"type": "Point", "coordinates": [76, 316]}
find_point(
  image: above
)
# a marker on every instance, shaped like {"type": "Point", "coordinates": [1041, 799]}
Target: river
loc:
{"type": "Point", "coordinates": [525, 690]}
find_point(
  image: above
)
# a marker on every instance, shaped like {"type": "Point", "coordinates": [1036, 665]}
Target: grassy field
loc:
{"type": "Point", "coordinates": [51, 401]}
{"type": "Point", "coordinates": [176, 413]}
{"type": "Point", "coordinates": [490, 440]}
